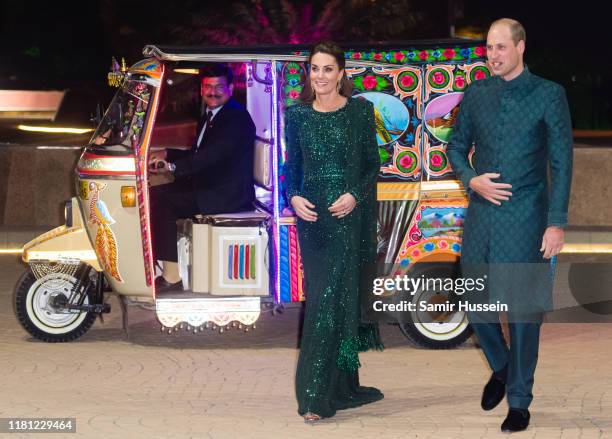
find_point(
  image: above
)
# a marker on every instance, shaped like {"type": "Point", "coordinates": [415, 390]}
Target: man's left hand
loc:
{"type": "Point", "coordinates": [552, 242]}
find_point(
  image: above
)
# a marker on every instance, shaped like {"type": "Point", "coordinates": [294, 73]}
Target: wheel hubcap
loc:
{"type": "Point", "coordinates": [48, 297]}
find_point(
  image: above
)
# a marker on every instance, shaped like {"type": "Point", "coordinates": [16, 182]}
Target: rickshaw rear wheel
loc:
{"type": "Point", "coordinates": [36, 307]}
{"type": "Point", "coordinates": [444, 330]}
{"type": "Point", "coordinates": [426, 336]}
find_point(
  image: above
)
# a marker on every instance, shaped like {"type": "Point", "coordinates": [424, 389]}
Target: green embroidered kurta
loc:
{"type": "Point", "coordinates": [329, 154]}
{"type": "Point", "coordinates": [520, 128]}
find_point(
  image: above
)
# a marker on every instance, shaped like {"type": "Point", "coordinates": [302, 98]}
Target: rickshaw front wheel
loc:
{"type": "Point", "coordinates": [38, 307]}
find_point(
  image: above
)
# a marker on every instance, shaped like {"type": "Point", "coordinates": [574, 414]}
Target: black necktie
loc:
{"type": "Point", "coordinates": [207, 126]}
{"type": "Point", "coordinates": [209, 115]}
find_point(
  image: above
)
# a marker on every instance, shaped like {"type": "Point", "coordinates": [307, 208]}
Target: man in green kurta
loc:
{"type": "Point", "coordinates": [521, 128]}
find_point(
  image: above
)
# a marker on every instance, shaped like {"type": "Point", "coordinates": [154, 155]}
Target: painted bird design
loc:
{"type": "Point", "coordinates": [446, 121]}
{"type": "Point", "coordinates": [105, 242]}
{"type": "Point", "coordinates": [381, 129]}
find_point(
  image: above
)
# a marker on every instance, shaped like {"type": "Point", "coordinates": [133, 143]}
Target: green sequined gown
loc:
{"type": "Point", "coordinates": [329, 154]}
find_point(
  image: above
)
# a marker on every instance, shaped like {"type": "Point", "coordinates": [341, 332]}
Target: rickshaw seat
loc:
{"type": "Point", "coordinates": [252, 218]}
{"type": "Point", "coordinates": [262, 165]}
{"type": "Point", "coordinates": [205, 242]}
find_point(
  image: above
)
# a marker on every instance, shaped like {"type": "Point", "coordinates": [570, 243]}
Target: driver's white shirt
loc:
{"type": "Point", "coordinates": [214, 113]}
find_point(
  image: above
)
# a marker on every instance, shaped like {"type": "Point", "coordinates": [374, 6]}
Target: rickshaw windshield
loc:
{"type": "Point", "coordinates": [121, 128]}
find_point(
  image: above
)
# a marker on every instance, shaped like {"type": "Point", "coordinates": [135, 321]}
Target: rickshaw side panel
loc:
{"type": "Point", "coordinates": [62, 243]}
{"type": "Point", "coordinates": [421, 203]}
{"type": "Point", "coordinates": [114, 233]}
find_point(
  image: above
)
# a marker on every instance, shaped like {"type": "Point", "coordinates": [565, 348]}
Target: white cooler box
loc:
{"type": "Point", "coordinates": [227, 254]}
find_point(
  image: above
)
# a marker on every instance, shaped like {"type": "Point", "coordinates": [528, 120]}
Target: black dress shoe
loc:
{"type": "Point", "coordinates": [163, 286]}
{"type": "Point", "coordinates": [493, 393]}
{"type": "Point", "coordinates": [517, 420]}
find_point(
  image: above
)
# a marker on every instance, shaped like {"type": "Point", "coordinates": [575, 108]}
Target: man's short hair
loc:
{"type": "Point", "coordinates": [216, 71]}
{"type": "Point", "coordinates": [516, 29]}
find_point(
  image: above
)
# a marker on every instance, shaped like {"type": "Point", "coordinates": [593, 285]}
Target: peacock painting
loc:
{"type": "Point", "coordinates": [105, 242]}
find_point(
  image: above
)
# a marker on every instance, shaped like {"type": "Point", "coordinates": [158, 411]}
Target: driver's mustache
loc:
{"type": "Point", "coordinates": [214, 96]}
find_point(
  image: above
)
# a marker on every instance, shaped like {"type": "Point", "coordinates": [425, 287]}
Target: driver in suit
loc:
{"type": "Point", "coordinates": [215, 176]}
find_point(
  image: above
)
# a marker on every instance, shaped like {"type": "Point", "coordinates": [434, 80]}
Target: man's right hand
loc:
{"type": "Point", "coordinates": [157, 161]}
{"type": "Point", "coordinates": [489, 190]}
{"type": "Point", "coordinates": [303, 208]}
{"type": "Point", "coordinates": [158, 166]}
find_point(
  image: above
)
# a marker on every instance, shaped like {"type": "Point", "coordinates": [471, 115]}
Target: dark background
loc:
{"type": "Point", "coordinates": [58, 45]}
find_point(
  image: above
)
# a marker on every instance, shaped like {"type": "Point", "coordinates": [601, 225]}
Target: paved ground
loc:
{"type": "Point", "coordinates": [240, 385]}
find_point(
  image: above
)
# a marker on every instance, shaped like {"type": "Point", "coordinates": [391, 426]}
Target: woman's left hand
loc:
{"type": "Point", "coordinates": [343, 205]}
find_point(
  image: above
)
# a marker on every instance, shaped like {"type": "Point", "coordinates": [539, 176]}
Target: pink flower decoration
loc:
{"type": "Point", "coordinates": [460, 82]}
{"type": "Point", "coordinates": [449, 54]}
{"type": "Point", "coordinates": [407, 81]}
{"type": "Point", "coordinates": [369, 82]}
{"type": "Point", "coordinates": [406, 161]}
{"type": "Point", "coordinates": [377, 56]}
{"type": "Point", "coordinates": [356, 55]}
{"type": "Point", "coordinates": [294, 94]}
{"type": "Point", "coordinates": [438, 78]}
{"type": "Point", "coordinates": [398, 56]}
{"type": "Point", "coordinates": [436, 160]}
{"type": "Point", "coordinates": [480, 51]}
{"type": "Point", "coordinates": [416, 253]}
{"type": "Point", "coordinates": [479, 75]}
{"type": "Point", "coordinates": [293, 70]}
{"type": "Point", "coordinates": [443, 244]}
{"type": "Point", "coordinates": [423, 55]}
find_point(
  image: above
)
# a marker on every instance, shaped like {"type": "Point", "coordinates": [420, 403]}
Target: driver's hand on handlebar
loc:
{"type": "Point", "coordinates": [157, 161]}
{"type": "Point", "coordinates": [102, 138]}
{"type": "Point", "coordinates": [158, 166]}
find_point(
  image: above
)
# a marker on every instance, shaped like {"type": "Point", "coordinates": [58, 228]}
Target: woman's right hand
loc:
{"type": "Point", "coordinates": [303, 208]}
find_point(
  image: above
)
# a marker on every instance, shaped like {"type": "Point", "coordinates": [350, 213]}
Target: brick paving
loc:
{"type": "Point", "coordinates": [240, 385]}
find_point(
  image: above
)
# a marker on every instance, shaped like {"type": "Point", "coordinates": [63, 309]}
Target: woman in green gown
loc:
{"type": "Point", "coordinates": [332, 165]}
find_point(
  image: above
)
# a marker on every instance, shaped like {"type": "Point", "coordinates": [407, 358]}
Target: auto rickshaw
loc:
{"type": "Point", "coordinates": [235, 265]}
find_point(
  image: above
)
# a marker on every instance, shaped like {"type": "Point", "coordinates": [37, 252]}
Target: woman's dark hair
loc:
{"type": "Point", "coordinates": [330, 48]}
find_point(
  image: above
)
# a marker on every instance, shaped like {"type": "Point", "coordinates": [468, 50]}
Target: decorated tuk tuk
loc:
{"type": "Point", "coordinates": [236, 266]}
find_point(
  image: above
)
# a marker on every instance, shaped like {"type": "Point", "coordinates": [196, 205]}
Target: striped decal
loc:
{"type": "Point", "coordinates": [235, 262]}
{"type": "Point", "coordinates": [294, 267]}
{"type": "Point", "coordinates": [242, 262]}
{"type": "Point", "coordinates": [230, 264]}
{"type": "Point", "coordinates": [301, 296]}
{"type": "Point", "coordinates": [283, 265]}
{"type": "Point", "coordinates": [248, 262]}
{"type": "Point", "coordinates": [251, 261]}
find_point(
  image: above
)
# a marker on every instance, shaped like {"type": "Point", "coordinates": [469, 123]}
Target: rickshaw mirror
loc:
{"type": "Point", "coordinates": [96, 117]}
